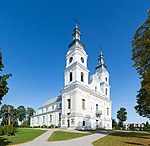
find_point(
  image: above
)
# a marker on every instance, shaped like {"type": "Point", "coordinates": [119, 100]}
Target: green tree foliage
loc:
{"type": "Point", "coordinates": [1, 130]}
{"type": "Point", "coordinates": [30, 112]}
{"type": "Point", "coordinates": [122, 116]}
{"type": "Point", "coordinates": [10, 130]}
{"type": "Point", "coordinates": [4, 114]}
{"type": "Point", "coordinates": [3, 80]}
{"type": "Point", "coordinates": [21, 113]}
{"type": "Point", "coordinates": [141, 58]}
{"type": "Point", "coordinates": [114, 124]}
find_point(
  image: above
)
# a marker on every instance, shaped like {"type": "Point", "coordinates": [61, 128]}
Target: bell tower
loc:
{"type": "Point", "coordinates": [103, 74]}
{"type": "Point", "coordinates": [76, 61]}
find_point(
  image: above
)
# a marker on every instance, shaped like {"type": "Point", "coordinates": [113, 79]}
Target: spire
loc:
{"type": "Point", "coordinates": [76, 36]}
{"type": "Point", "coordinates": [76, 32]}
{"type": "Point", "coordinates": [101, 58]}
{"type": "Point", "coordinates": [101, 65]}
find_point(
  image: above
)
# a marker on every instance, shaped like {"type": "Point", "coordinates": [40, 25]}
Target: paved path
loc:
{"type": "Point", "coordinates": [82, 141]}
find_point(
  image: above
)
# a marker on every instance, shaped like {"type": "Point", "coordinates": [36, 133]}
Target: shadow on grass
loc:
{"type": "Point", "coordinates": [100, 131]}
{"type": "Point", "coordinates": [4, 141]}
{"type": "Point", "coordinates": [134, 143]}
{"type": "Point", "coordinates": [131, 134]}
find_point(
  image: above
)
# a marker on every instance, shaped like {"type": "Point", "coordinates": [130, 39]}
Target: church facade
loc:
{"type": "Point", "coordinates": [83, 104]}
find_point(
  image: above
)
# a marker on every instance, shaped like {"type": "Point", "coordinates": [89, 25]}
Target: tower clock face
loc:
{"type": "Point", "coordinates": [82, 59]}
{"type": "Point", "coordinates": [70, 60]}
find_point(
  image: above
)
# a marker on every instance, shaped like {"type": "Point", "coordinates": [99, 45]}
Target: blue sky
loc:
{"type": "Point", "coordinates": [34, 38]}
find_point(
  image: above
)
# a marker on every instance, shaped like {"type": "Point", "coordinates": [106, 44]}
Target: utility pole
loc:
{"type": "Point", "coordinates": [8, 114]}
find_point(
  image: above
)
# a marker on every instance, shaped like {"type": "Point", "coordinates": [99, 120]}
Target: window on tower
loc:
{"type": "Point", "coordinates": [83, 104]}
{"type": "Point", "coordinates": [107, 111]}
{"type": "Point", "coordinates": [68, 100]}
{"type": "Point", "coordinates": [106, 91]}
{"type": "Point", "coordinates": [70, 76]}
{"type": "Point", "coordinates": [96, 106]}
{"type": "Point", "coordinates": [70, 60]}
{"type": "Point", "coordinates": [106, 79]}
{"type": "Point", "coordinates": [82, 76]}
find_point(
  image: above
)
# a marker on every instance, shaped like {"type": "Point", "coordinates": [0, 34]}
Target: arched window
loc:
{"type": "Point", "coordinates": [106, 91]}
{"type": "Point", "coordinates": [70, 76]}
{"type": "Point", "coordinates": [106, 79]}
{"type": "Point", "coordinates": [107, 111]}
{"type": "Point", "coordinates": [82, 76]}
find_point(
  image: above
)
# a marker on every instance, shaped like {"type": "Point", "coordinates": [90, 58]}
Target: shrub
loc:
{"type": "Point", "coordinates": [52, 126]}
{"type": "Point", "coordinates": [1, 130]}
{"type": "Point", "coordinates": [36, 126]}
{"type": "Point", "coordinates": [5, 129]}
{"type": "Point", "coordinates": [43, 126]}
{"type": "Point", "coordinates": [10, 130]}
{"type": "Point", "coordinates": [15, 124]}
{"type": "Point", "coordinates": [25, 124]}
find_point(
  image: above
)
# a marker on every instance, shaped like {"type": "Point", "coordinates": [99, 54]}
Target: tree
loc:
{"type": "Point", "coordinates": [114, 124]}
{"type": "Point", "coordinates": [122, 116]}
{"type": "Point", "coordinates": [3, 80]}
{"type": "Point", "coordinates": [21, 113]}
{"type": "Point", "coordinates": [30, 112]}
{"type": "Point", "coordinates": [15, 117]}
{"type": "Point", "coordinates": [141, 58]}
{"type": "Point", "coordinates": [4, 114]}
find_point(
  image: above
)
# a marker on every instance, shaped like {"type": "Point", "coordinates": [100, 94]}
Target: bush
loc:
{"type": "Point", "coordinates": [25, 124]}
{"type": "Point", "coordinates": [1, 131]}
{"type": "Point", "coordinates": [15, 124]}
{"type": "Point", "coordinates": [10, 130]}
{"type": "Point", "coordinates": [43, 126]}
{"type": "Point", "coordinates": [36, 126]}
{"type": "Point", "coordinates": [52, 126]}
{"type": "Point", "coordinates": [5, 129]}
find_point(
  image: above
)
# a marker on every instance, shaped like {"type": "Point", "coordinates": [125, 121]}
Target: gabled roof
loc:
{"type": "Point", "coordinates": [52, 100]}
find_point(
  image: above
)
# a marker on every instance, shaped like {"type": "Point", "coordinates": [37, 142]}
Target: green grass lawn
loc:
{"type": "Point", "coordinates": [124, 139]}
{"type": "Point", "coordinates": [63, 135]}
{"type": "Point", "coordinates": [22, 135]}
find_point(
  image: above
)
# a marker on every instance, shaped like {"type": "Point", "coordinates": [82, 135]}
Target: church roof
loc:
{"type": "Point", "coordinates": [52, 100]}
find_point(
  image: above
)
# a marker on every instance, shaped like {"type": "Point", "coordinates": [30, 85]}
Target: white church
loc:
{"type": "Point", "coordinates": [83, 104]}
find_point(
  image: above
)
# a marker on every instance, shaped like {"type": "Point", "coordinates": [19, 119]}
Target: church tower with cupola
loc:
{"type": "Point", "coordinates": [103, 74]}
{"type": "Point", "coordinates": [76, 61]}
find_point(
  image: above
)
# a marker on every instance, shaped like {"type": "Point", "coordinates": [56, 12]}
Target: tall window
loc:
{"type": "Point", "coordinates": [96, 106]}
{"type": "Point", "coordinates": [82, 76]}
{"type": "Point", "coordinates": [43, 119]}
{"type": "Point", "coordinates": [95, 89]}
{"type": "Point", "coordinates": [70, 76]}
{"type": "Point", "coordinates": [83, 103]}
{"type": "Point", "coordinates": [52, 107]}
{"type": "Point", "coordinates": [106, 91]}
{"type": "Point", "coordinates": [107, 111]}
{"type": "Point", "coordinates": [59, 116]}
{"type": "Point", "coordinates": [50, 117]}
{"type": "Point", "coordinates": [83, 123]}
{"type": "Point", "coordinates": [69, 105]}
{"type": "Point", "coordinates": [59, 105]}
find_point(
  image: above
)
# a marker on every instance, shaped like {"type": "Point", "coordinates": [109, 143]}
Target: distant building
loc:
{"type": "Point", "coordinates": [81, 105]}
{"type": "Point", "coordinates": [133, 126]}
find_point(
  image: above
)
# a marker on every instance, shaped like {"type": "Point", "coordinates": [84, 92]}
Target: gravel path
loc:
{"type": "Point", "coordinates": [82, 141]}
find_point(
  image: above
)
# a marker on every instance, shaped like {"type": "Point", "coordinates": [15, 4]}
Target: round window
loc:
{"type": "Point", "coordinates": [70, 60]}
{"type": "Point", "coordinates": [82, 59]}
